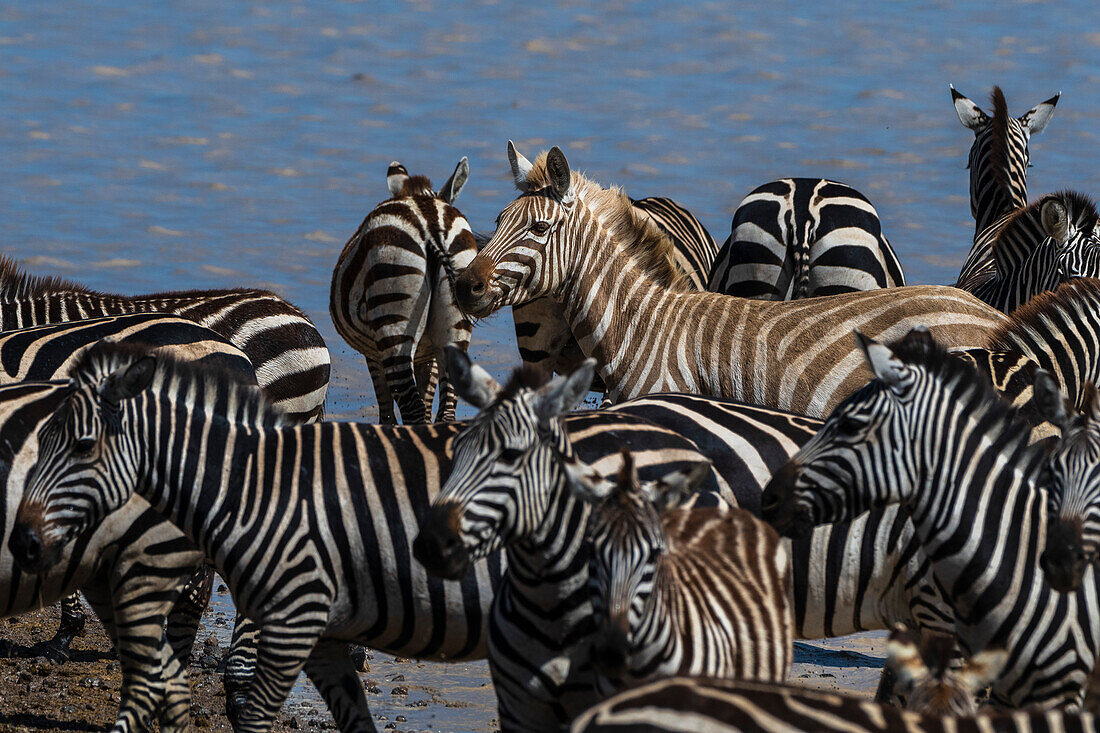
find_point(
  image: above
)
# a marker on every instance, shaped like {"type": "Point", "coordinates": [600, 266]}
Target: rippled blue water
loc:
{"type": "Point", "coordinates": [177, 145]}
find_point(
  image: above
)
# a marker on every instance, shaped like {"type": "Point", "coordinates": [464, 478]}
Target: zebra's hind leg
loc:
{"type": "Point", "coordinates": [331, 671]}
{"type": "Point", "coordinates": [73, 620]}
{"type": "Point", "coordinates": [382, 394]}
{"type": "Point", "coordinates": [402, 381]}
{"type": "Point", "coordinates": [285, 645]}
{"type": "Point", "coordinates": [180, 632]}
{"type": "Point", "coordinates": [240, 666]}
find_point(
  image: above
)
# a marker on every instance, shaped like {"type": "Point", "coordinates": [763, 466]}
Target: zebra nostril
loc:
{"type": "Point", "coordinates": [478, 288]}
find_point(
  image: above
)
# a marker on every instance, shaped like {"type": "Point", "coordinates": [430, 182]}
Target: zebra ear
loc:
{"type": "Point", "coordinates": [1036, 118]}
{"type": "Point", "coordinates": [454, 184]}
{"type": "Point", "coordinates": [563, 393]}
{"type": "Point", "coordinates": [981, 670]}
{"type": "Point", "coordinates": [586, 483]}
{"type": "Point", "coordinates": [560, 181]}
{"type": "Point", "coordinates": [128, 381]}
{"type": "Point", "coordinates": [1055, 219]}
{"type": "Point", "coordinates": [671, 490]}
{"type": "Point", "coordinates": [969, 113]}
{"type": "Point", "coordinates": [472, 383]}
{"type": "Point", "coordinates": [1049, 401]}
{"type": "Point", "coordinates": [396, 177]}
{"type": "Point", "coordinates": [521, 167]}
{"type": "Point", "coordinates": [1091, 405]}
{"type": "Point", "coordinates": [886, 367]}
{"type": "Point", "coordinates": [904, 659]}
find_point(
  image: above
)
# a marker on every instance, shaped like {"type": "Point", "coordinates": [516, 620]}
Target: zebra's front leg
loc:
{"type": "Point", "coordinates": [332, 672]}
{"type": "Point", "coordinates": [180, 633]}
{"type": "Point", "coordinates": [240, 666]}
{"type": "Point", "coordinates": [284, 647]}
{"type": "Point", "coordinates": [73, 620]}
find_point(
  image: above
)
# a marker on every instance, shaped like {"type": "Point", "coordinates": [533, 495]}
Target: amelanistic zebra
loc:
{"type": "Point", "coordinates": [132, 568]}
{"type": "Point", "coordinates": [702, 592]}
{"type": "Point", "coordinates": [680, 704]}
{"type": "Point", "coordinates": [311, 529]}
{"type": "Point", "coordinates": [568, 237]}
{"type": "Point", "coordinates": [542, 333]}
{"type": "Point", "coordinates": [998, 163]}
{"type": "Point", "coordinates": [801, 238]}
{"type": "Point", "coordinates": [929, 434]}
{"type": "Point", "coordinates": [285, 348]}
{"type": "Point", "coordinates": [392, 292]}
{"type": "Point", "coordinates": [1039, 246]}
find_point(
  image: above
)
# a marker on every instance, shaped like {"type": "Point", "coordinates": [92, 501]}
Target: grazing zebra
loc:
{"type": "Point", "coordinates": [543, 334]}
{"type": "Point", "coordinates": [701, 592]}
{"type": "Point", "coordinates": [931, 684]}
{"type": "Point", "coordinates": [1039, 246]}
{"type": "Point", "coordinates": [929, 434]}
{"type": "Point", "coordinates": [801, 238]}
{"type": "Point", "coordinates": [310, 525]}
{"type": "Point", "coordinates": [392, 292]}
{"type": "Point", "coordinates": [568, 237]}
{"type": "Point", "coordinates": [287, 351]}
{"type": "Point", "coordinates": [998, 163]}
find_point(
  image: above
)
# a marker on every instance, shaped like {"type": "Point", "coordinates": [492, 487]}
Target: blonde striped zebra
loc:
{"type": "Point", "coordinates": [391, 296]}
{"type": "Point", "coordinates": [626, 303]}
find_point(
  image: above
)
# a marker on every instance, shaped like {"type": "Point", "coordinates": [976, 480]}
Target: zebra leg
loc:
{"type": "Point", "coordinates": [402, 380]}
{"type": "Point", "coordinates": [285, 645]}
{"type": "Point", "coordinates": [427, 374]}
{"type": "Point", "coordinates": [73, 620]}
{"type": "Point", "coordinates": [240, 666]}
{"type": "Point", "coordinates": [331, 671]}
{"type": "Point", "coordinates": [382, 394]}
{"type": "Point", "coordinates": [180, 632]}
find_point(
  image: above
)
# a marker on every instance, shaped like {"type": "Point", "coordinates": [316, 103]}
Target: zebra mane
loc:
{"type": "Point", "coordinates": [416, 186]}
{"type": "Point", "coordinates": [251, 406]}
{"type": "Point", "coordinates": [998, 138]}
{"type": "Point", "coordinates": [17, 283]}
{"type": "Point", "coordinates": [1023, 224]}
{"type": "Point", "coordinates": [1043, 314]}
{"type": "Point", "coordinates": [526, 376]}
{"type": "Point", "coordinates": [641, 239]}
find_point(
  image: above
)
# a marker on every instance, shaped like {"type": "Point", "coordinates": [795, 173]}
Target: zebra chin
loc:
{"type": "Point", "coordinates": [780, 509]}
{"type": "Point", "coordinates": [31, 554]}
{"type": "Point", "coordinates": [1064, 561]}
{"type": "Point", "coordinates": [439, 548]}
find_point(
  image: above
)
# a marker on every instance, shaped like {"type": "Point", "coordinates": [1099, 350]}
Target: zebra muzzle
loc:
{"type": "Point", "coordinates": [779, 508]}
{"type": "Point", "coordinates": [29, 552]}
{"type": "Point", "coordinates": [611, 651]}
{"type": "Point", "coordinates": [1064, 561]}
{"type": "Point", "coordinates": [472, 291]}
{"type": "Point", "coordinates": [439, 547]}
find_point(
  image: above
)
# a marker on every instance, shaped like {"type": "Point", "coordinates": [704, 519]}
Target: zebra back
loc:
{"type": "Point", "coordinates": [695, 248]}
{"type": "Point", "coordinates": [391, 296]}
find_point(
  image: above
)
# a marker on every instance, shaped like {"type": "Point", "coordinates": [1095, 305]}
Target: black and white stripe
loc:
{"type": "Point", "coordinates": [392, 296]}
{"type": "Point", "coordinates": [285, 348]}
{"type": "Point", "coordinates": [929, 434]}
{"type": "Point", "coordinates": [804, 237]}
{"type": "Point", "coordinates": [998, 163]}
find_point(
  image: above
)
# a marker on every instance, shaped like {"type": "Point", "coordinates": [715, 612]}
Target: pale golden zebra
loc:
{"type": "Point", "coordinates": [626, 303]}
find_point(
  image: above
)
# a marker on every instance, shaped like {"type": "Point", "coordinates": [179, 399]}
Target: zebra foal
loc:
{"type": "Point", "coordinates": [392, 296]}
{"type": "Point", "coordinates": [567, 237]}
{"type": "Point", "coordinates": [700, 592]}
{"type": "Point", "coordinates": [802, 238]}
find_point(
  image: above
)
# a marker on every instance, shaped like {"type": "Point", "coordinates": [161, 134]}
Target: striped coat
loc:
{"type": "Point", "coordinates": [567, 236]}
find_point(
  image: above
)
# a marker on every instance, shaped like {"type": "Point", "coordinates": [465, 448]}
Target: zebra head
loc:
{"type": "Point", "coordinates": [1069, 220]}
{"type": "Point", "coordinates": [931, 684]}
{"type": "Point", "coordinates": [1073, 485]}
{"type": "Point", "coordinates": [510, 465]}
{"type": "Point", "coordinates": [628, 541]}
{"type": "Point", "coordinates": [87, 465]}
{"type": "Point", "coordinates": [999, 157]}
{"type": "Point", "coordinates": [863, 456]}
{"type": "Point", "coordinates": [516, 265]}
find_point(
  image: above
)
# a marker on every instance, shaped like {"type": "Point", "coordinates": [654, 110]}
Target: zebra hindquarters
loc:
{"type": "Point", "coordinates": [447, 324]}
{"type": "Point", "coordinates": [750, 264]}
{"type": "Point", "coordinates": [398, 327]}
{"type": "Point", "coordinates": [546, 341]}
{"type": "Point", "coordinates": [847, 260]}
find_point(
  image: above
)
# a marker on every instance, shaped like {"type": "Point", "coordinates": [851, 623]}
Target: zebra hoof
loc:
{"type": "Point", "coordinates": [55, 650]}
{"type": "Point", "coordinates": [234, 706]}
{"type": "Point", "coordinates": [358, 658]}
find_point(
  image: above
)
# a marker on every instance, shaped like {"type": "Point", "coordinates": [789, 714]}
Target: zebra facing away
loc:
{"type": "Point", "coordinates": [338, 502]}
{"type": "Point", "coordinates": [801, 238]}
{"type": "Point", "coordinates": [998, 163]}
{"type": "Point", "coordinates": [700, 592]}
{"type": "Point", "coordinates": [542, 333]}
{"type": "Point", "coordinates": [288, 353]}
{"type": "Point", "coordinates": [567, 237]}
{"type": "Point", "coordinates": [1039, 246]}
{"type": "Point", "coordinates": [392, 292]}
{"type": "Point", "coordinates": [927, 433]}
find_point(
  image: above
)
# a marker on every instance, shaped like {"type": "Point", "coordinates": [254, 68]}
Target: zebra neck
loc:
{"type": "Point", "coordinates": [550, 568]}
{"type": "Point", "coordinates": [1023, 273]}
{"type": "Point", "coordinates": [994, 190]}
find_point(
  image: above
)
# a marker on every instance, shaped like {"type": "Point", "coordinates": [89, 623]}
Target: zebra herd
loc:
{"type": "Point", "coordinates": [759, 474]}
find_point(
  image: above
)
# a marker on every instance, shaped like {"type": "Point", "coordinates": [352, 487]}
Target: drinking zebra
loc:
{"type": "Point", "coordinates": [542, 333]}
{"type": "Point", "coordinates": [701, 592]}
{"type": "Point", "coordinates": [285, 348]}
{"type": "Point", "coordinates": [801, 238]}
{"type": "Point", "coordinates": [929, 434]}
{"type": "Point", "coordinates": [392, 292]}
{"type": "Point", "coordinates": [568, 237]}
{"type": "Point", "coordinates": [132, 569]}
{"type": "Point", "coordinates": [998, 163]}
{"type": "Point", "coordinates": [312, 528]}
{"type": "Point", "coordinates": [1038, 247]}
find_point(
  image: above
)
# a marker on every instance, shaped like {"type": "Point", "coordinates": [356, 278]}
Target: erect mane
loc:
{"type": "Point", "coordinates": [526, 376]}
{"type": "Point", "coordinates": [1053, 305]}
{"type": "Point", "coordinates": [998, 138]}
{"type": "Point", "coordinates": [1026, 221]}
{"type": "Point", "coordinates": [15, 283]}
{"type": "Point", "coordinates": [181, 377]}
{"type": "Point", "coordinates": [416, 186]}
{"type": "Point", "coordinates": [641, 239]}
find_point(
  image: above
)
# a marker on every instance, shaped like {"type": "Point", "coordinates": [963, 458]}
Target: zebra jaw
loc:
{"type": "Point", "coordinates": [780, 506]}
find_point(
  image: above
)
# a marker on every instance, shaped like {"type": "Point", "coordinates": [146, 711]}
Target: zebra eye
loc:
{"type": "Point", "coordinates": [540, 227]}
{"type": "Point", "coordinates": [84, 446]}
